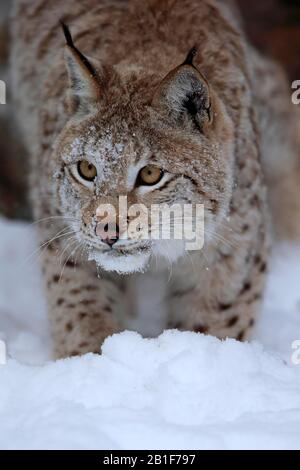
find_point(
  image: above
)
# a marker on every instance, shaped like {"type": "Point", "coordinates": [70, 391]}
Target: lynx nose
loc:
{"type": "Point", "coordinates": [109, 235]}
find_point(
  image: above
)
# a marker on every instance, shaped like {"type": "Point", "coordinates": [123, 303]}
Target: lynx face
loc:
{"type": "Point", "coordinates": [163, 144]}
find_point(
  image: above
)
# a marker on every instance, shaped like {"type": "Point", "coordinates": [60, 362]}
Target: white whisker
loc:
{"type": "Point", "coordinates": [70, 255]}
{"type": "Point", "coordinates": [42, 247]}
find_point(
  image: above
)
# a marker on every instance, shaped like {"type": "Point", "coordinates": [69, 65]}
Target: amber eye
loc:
{"type": "Point", "coordinates": [87, 170]}
{"type": "Point", "coordinates": [150, 175]}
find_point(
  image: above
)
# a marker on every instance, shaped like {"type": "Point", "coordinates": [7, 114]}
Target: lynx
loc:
{"type": "Point", "coordinates": [163, 102]}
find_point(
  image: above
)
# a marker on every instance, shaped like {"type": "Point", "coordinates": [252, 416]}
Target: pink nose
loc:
{"type": "Point", "coordinates": [107, 234]}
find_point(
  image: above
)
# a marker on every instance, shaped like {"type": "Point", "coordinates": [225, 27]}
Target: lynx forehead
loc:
{"type": "Point", "coordinates": [164, 103]}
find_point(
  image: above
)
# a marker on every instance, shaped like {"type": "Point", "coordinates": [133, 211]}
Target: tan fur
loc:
{"type": "Point", "coordinates": [131, 108]}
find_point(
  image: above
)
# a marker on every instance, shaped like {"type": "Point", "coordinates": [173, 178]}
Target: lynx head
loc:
{"type": "Point", "coordinates": [154, 140]}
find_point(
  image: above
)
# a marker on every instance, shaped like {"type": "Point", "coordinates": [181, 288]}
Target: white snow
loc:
{"type": "Point", "coordinates": [179, 391]}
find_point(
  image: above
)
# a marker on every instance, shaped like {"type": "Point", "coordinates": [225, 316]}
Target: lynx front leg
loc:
{"type": "Point", "coordinates": [221, 306]}
{"type": "Point", "coordinates": [190, 312]}
{"type": "Point", "coordinates": [83, 309]}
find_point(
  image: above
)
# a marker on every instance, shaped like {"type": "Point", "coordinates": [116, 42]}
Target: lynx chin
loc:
{"type": "Point", "coordinates": [166, 103]}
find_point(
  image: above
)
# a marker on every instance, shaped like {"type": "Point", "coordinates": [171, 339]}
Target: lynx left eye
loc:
{"type": "Point", "coordinates": [150, 175]}
{"type": "Point", "coordinates": [86, 170]}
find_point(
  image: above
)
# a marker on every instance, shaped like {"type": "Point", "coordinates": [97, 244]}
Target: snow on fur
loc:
{"type": "Point", "coordinates": [179, 391]}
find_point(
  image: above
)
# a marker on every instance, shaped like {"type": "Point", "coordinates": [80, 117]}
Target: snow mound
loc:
{"type": "Point", "coordinates": [181, 390]}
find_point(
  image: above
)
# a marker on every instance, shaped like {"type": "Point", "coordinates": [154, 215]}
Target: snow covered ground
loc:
{"type": "Point", "coordinates": [179, 391]}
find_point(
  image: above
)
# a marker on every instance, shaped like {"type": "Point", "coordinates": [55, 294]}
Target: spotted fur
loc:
{"type": "Point", "coordinates": [124, 91]}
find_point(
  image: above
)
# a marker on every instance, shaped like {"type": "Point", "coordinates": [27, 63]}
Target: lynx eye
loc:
{"type": "Point", "coordinates": [86, 170]}
{"type": "Point", "coordinates": [150, 175]}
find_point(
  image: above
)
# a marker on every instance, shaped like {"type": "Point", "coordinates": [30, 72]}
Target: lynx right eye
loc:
{"type": "Point", "coordinates": [86, 170]}
{"type": "Point", "coordinates": [150, 175]}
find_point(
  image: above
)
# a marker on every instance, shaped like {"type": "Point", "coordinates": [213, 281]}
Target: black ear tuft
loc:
{"type": "Point", "coordinates": [190, 57]}
{"type": "Point", "coordinates": [70, 43]}
{"type": "Point", "coordinates": [85, 90]}
{"type": "Point", "coordinates": [67, 33]}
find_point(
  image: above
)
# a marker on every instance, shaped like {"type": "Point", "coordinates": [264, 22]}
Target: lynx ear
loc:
{"type": "Point", "coordinates": [85, 83]}
{"type": "Point", "coordinates": [185, 92]}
